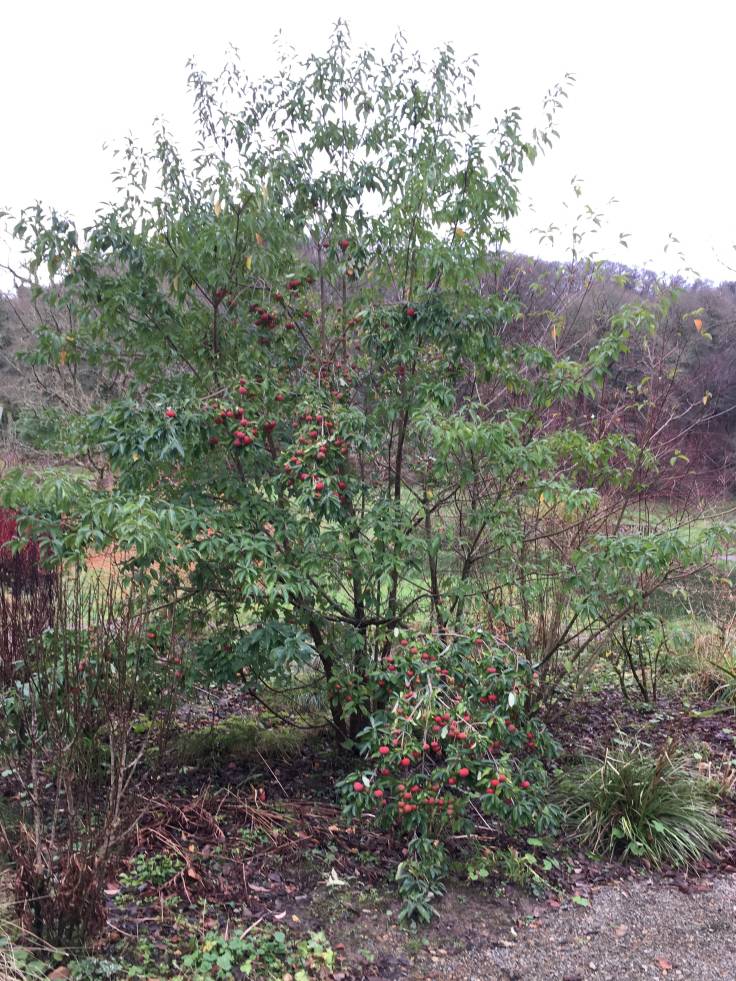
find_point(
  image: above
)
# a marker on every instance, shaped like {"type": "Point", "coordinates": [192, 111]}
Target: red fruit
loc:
{"type": "Point", "coordinates": [383, 750]}
{"type": "Point", "coordinates": [151, 635]}
{"type": "Point", "coordinates": [342, 485]}
{"type": "Point", "coordinates": [247, 440]}
{"type": "Point", "coordinates": [464, 771]}
{"type": "Point", "coordinates": [406, 761]}
{"type": "Point", "coordinates": [501, 778]}
{"type": "Point", "coordinates": [214, 440]}
{"type": "Point", "coordinates": [452, 781]}
{"type": "Point", "coordinates": [358, 786]}
{"type": "Point", "coordinates": [378, 793]}
{"type": "Point", "coordinates": [344, 244]}
{"type": "Point", "coordinates": [294, 284]}
{"type": "Point", "coordinates": [385, 771]}
{"type": "Point", "coordinates": [411, 312]}
{"type": "Point", "coordinates": [319, 485]}
{"type": "Point", "coordinates": [170, 413]}
{"type": "Point", "coordinates": [495, 782]}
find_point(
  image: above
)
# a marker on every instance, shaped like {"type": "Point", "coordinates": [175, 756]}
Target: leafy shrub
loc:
{"type": "Point", "coordinates": [524, 869]}
{"type": "Point", "coordinates": [306, 474]}
{"type": "Point", "coordinates": [449, 741]}
{"type": "Point", "coordinates": [638, 805]}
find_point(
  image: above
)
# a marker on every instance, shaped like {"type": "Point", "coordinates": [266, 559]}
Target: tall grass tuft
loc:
{"type": "Point", "coordinates": [641, 806]}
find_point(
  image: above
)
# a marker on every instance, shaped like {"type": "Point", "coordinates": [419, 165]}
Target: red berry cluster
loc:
{"type": "Point", "coordinates": [445, 733]}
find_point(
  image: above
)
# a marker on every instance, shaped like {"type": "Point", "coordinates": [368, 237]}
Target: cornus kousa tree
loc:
{"type": "Point", "coordinates": [319, 428]}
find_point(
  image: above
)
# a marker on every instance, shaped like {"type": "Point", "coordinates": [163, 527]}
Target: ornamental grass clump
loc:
{"type": "Point", "coordinates": [639, 805]}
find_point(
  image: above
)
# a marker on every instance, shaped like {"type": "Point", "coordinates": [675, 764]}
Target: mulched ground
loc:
{"type": "Point", "coordinates": [262, 841]}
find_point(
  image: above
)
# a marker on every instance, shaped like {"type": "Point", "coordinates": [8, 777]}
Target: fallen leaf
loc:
{"type": "Point", "coordinates": [334, 880]}
{"type": "Point", "coordinates": [663, 964]}
{"type": "Point", "coordinates": [280, 916]}
{"type": "Point", "coordinates": [58, 974]}
{"type": "Point", "coordinates": [621, 931]}
{"type": "Point", "coordinates": [112, 889]}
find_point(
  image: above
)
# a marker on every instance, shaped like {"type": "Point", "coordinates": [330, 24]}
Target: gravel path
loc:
{"type": "Point", "coordinates": [630, 931]}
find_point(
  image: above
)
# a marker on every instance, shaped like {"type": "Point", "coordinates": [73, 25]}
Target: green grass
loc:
{"type": "Point", "coordinates": [641, 806]}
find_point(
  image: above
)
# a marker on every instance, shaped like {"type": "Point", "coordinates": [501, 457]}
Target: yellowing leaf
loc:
{"type": "Point", "coordinates": [459, 233]}
{"type": "Point", "coordinates": [260, 240]}
{"type": "Point", "coordinates": [554, 332]}
{"type": "Point", "coordinates": [218, 208]}
{"type": "Point", "coordinates": [249, 262]}
{"type": "Point", "coordinates": [698, 324]}
{"type": "Point", "coordinates": [62, 357]}
{"type": "Point", "coordinates": [707, 397]}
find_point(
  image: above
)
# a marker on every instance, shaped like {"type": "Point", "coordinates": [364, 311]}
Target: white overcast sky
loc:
{"type": "Point", "coordinates": [651, 120]}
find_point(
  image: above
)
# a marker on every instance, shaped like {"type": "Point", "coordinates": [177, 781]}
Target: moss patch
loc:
{"type": "Point", "coordinates": [241, 740]}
